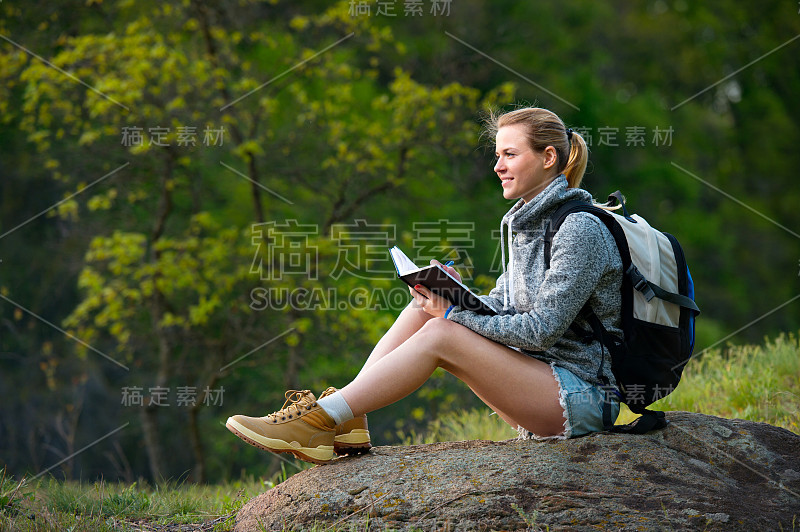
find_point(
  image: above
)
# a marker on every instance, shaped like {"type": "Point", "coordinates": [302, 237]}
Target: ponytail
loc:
{"type": "Point", "coordinates": [578, 158]}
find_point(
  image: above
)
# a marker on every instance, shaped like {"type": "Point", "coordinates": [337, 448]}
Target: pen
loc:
{"type": "Point", "coordinates": [449, 263]}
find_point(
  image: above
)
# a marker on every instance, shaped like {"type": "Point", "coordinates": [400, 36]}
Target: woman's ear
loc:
{"type": "Point", "coordinates": [550, 157]}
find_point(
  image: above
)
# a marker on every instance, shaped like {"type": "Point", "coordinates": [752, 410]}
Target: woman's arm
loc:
{"type": "Point", "coordinates": [580, 255]}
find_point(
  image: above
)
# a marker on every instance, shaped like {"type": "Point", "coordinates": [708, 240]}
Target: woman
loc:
{"type": "Point", "coordinates": [525, 362]}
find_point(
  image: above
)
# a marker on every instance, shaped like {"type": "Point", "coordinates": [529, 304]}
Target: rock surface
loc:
{"type": "Point", "coordinates": [701, 472]}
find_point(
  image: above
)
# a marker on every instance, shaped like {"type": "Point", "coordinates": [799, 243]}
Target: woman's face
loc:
{"type": "Point", "coordinates": [522, 172]}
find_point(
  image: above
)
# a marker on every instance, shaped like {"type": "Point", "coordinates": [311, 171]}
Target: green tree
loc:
{"type": "Point", "coordinates": [166, 289]}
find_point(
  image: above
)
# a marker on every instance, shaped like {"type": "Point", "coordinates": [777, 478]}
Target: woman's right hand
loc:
{"type": "Point", "coordinates": [449, 269]}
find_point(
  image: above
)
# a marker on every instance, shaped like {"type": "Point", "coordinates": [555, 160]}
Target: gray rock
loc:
{"type": "Point", "coordinates": [701, 472]}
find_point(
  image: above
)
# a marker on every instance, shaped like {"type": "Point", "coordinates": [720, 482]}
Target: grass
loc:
{"type": "Point", "coordinates": [755, 382]}
{"type": "Point", "coordinates": [476, 424]}
{"type": "Point", "coordinates": [49, 504]}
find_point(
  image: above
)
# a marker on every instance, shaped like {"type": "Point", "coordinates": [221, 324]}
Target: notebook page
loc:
{"type": "Point", "coordinates": [402, 262]}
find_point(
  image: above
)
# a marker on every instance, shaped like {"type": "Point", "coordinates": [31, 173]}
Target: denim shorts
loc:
{"type": "Point", "coordinates": [582, 403]}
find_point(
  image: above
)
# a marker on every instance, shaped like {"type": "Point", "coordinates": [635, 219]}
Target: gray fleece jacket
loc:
{"type": "Point", "coordinates": [536, 305]}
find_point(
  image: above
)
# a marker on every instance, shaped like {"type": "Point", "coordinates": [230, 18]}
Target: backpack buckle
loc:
{"type": "Point", "coordinates": [636, 276]}
{"type": "Point", "coordinates": [640, 282]}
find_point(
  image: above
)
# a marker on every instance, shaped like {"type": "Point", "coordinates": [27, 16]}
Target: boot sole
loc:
{"type": "Point", "coordinates": [316, 455]}
{"type": "Point", "coordinates": [354, 442]}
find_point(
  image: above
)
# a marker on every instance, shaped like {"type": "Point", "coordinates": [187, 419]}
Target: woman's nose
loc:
{"type": "Point", "coordinates": [499, 165]}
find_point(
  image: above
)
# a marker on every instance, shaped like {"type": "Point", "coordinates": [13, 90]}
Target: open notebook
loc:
{"type": "Point", "coordinates": [438, 281]}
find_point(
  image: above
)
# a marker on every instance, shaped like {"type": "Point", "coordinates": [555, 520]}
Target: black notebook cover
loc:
{"type": "Point", "coordinates": [438, 281]}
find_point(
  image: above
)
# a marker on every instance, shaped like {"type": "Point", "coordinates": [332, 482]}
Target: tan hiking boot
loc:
{"type": "Point", "coordinates": [301, 427]}
{"type": "Point", "coordinates": [352, 437]}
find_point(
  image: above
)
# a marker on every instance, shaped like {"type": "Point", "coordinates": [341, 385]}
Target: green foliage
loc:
{"type": "Point", "coordinates": [461, 425]}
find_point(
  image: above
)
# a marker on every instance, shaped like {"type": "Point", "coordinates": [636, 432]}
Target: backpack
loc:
{"type": "Point", "coordinates": [658, 313]}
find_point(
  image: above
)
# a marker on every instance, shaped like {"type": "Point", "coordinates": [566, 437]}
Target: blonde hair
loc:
{"type": "Point", "coordinates": [544, 128]}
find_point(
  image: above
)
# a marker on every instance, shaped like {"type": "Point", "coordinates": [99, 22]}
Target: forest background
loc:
{"type": "Point", "coordinates": [197, 198]}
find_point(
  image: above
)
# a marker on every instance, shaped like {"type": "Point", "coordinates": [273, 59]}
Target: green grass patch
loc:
{"type": "Point", "coordinates": [753, 382]}
{"type": "Point", "coordinates": [475, 424]}
{"type": "Point", "coordinates": [49, 504]}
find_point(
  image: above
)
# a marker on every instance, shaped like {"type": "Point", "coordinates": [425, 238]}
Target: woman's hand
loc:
{"type": "Point", "coordinates": [449, 269]}
{"type": "Point", "coordinates": [434, 305]}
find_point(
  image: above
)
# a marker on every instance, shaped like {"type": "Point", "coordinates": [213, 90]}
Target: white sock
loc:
{"type": "Point", "coordinates": [336, 407]}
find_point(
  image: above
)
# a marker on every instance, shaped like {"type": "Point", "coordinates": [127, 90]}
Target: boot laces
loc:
{"type": "Point", "coordinates": [328, 392]}
{"type": "Point", "coordinates": [296, 401]}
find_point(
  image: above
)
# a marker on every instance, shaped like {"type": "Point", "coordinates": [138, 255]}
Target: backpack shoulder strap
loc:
{"type": "Point", "coordinates": [617, 233]}
{"type": "Point", "coordinates": [574, 206]}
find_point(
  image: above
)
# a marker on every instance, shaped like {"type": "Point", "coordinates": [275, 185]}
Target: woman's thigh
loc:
{"type": "Point", "coordinates": [521, 387]}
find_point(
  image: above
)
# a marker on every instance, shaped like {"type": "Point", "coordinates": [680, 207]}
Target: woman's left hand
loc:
{"type": "Point", "coordinates": [434, 305]}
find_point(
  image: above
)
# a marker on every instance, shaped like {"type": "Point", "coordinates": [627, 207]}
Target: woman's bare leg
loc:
{"type": "Point", "coordinates": [410, 320]}
{"type": "Point", "coordinates": [523, 388]}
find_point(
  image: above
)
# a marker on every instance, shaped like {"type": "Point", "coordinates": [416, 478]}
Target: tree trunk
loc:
{"type": "Point", "coordinates": [199, 472]}
{"type": "Point", "coordinates": [152, 442]}
{"type": "Point", "coordinates": [152, 436]}
{"type": "Point", "coordinates": [255, 188]}
{"type": "Point", "coordinates": [195, 439]}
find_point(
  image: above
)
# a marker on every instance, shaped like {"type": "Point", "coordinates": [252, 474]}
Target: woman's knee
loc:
{"type": "Point", "coordinates": [438, 332]}
{"type": "Point", "coordinates": [414, 313]}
